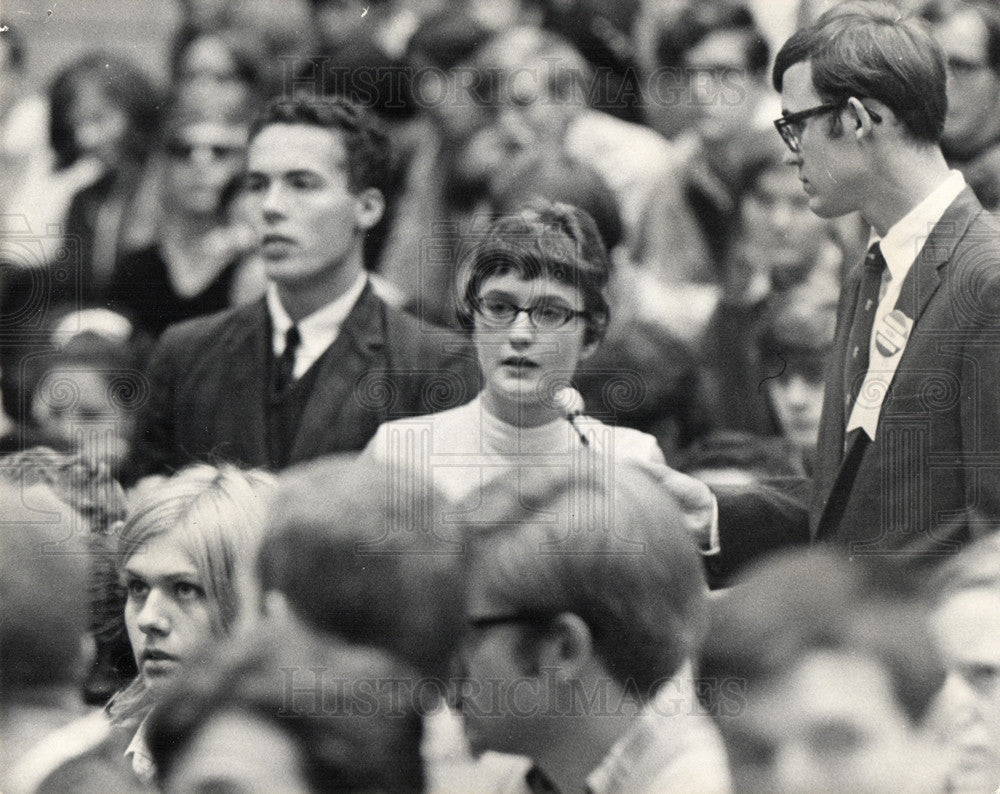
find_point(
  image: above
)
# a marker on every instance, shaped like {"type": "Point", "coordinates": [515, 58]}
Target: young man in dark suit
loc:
{"type": "Point", "coordinates": [321, 361]}
{"type": "Point", "coordinates": [908, 460]}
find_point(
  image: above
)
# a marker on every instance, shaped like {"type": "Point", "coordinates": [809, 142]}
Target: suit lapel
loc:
{"type": "Point", "coordinates": [925, 275]}
{"type": "Point", "coordinates": [920, 284]}
{"type": "Point", "coordinates": [247, 381]}
{"type": "Point", "coordinates": [352, 353]}
{"type": "Point", "coordinates": [830, 445]}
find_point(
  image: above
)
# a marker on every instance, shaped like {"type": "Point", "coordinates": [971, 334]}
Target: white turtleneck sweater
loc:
{"type": "Point", "coordinates": [467, 447]}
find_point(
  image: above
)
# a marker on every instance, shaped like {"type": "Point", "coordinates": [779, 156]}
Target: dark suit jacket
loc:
{"type": "Point", "coordinates": [209, 378]}
{"type": "Point", "coordinates": [931, 478]}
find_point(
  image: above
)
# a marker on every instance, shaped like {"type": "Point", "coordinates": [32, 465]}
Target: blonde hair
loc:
{"type": "Point", "coordinates": [217, 514]}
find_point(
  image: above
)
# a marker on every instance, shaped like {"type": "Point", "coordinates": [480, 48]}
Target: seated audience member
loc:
{"type": "Point", "coordinates": [969, 34]}
{"type": "Point", "coordinates": [965, 622]}
{"type": "Point", "coordinates": [69, 218]}
{"type": "Point", "coordinates": [317, 364]}
{"type": "Point", "coordinates": [281, 715]}
{"type": "Point", "coordinates": [182, 553]}
{"type": "Point", "coordinates": [535, 87]}
{"type": "Point", "coordinates": [183, 273]}
{"type": "Point", "coordinates": [713, 57]}
{"type": "Point", "coordinates": [796, 338]}
{"type": "Point", "coordinates": [84, 396]}
{"type": "Point", "coordinates": [820, 673]}
{"type": "Point", "coordinates": [89, 487]}
{"type": "Point", "coordinates": [600, 32]}
{"type": "Point", "coordinates": [397, 570]}
{"type": "Point", "coordinates": [220, 70]}
{"type": "Point", "coordinates": [43, 625]}
{"type": "Point", "coordinates": [103, 117]}
{"type": "Point", "coordinates": [533, 292]}
{"type": "Point", "coordinates": [582, 630]}
{"type": "Point", "coordinates": [778, 245]}
{"type": "Point", "coordinates": [434, 199]}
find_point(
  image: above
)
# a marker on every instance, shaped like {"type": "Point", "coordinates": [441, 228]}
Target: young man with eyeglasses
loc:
{"type": "Point", "coordinates": [318, 363]}
{"type": "Point", "coordinates": [581, 630]}
{"type": "Point", "coordinates": [907, 462]}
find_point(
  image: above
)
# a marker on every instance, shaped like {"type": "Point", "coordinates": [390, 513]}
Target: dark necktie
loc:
{"type": "Point", "coordinates": [286, 361]}
{"type": "Point", "coordinates": [859, 341]}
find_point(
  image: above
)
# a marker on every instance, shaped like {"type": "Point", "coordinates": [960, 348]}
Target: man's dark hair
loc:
{"type": "Point", "coordinates": [873, 50]}
{"type": "Point", "coordinates": [366, 144]}
{"type": "Point", "coordinates": [354, 719]}
{"type": "Point", "coordinates": [623, 564]}
{"type": "Point", "coordinates": [356, 559]}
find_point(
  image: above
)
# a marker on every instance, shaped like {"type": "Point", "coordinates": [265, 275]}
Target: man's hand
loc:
{"type": "Point", "coordinates": [697, 503]}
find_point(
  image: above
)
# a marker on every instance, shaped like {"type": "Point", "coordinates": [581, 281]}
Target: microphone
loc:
{"type": "Point", "coordinates": [570, 401]}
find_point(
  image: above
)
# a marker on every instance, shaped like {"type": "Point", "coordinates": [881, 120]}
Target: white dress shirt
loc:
{"type": "Point", "coordinates": [900, 248]}
{"type": "Point", "coordinates": [318, 330]}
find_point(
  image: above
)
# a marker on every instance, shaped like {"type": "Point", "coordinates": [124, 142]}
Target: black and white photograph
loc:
{"type": "Point", "coordinates": [500, 396]}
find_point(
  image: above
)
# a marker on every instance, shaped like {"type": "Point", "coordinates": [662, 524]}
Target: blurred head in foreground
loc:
{"type": "Point", "coordinates": [820, 673]}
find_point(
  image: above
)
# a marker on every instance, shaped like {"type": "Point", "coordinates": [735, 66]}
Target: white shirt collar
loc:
{"type": "Point", "coordinates": [138, 755]}
{"type": "Point", "coordinates": [907, 236]}
{"type": "Point", "coordinates": [318, 330]}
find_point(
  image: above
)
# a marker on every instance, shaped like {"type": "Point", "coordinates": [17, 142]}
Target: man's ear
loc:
{"type": "Point", "coordinates": [588, 349]}
{"type": "Point", "coordinates": [369, 205]}
{"type": "Point", "coordinates": [567, 647]}
{"type": "Point", "coordinates": [864, 124]}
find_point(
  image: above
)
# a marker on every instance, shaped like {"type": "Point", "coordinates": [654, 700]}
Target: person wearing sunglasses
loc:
{"type": "Point", "coordinates": [533, 294]}
{"type": "Point", "coordinates": [909, 427]}
{"type": "Point", "coordinates": [184, 272]}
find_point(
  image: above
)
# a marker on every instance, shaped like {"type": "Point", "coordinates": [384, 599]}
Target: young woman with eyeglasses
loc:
{"type": "Point", "coordinates": [533, 294]}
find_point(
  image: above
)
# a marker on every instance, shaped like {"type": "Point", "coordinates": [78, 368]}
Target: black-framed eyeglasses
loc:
{"type": "Point", "coordinates": [789, 126]}
{"type": "Point", "coordinates": [488, 621]}
{"type": "Point", "coordinates": [543, 316]}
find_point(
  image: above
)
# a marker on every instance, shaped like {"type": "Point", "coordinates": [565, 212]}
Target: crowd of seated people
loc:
{"type": "Point", "coordinates": [422, 396]}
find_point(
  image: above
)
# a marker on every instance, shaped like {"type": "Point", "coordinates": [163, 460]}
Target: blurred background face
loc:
{"type": "Point", "coordinates": [797, 397]}
{"type": "Point", "coordinates": [99, 125]}
{"type": "Point", "coordinates": [208, 76]}
{"type": "Point", "coordinates": [973, 87]}
{"type": "Point", "coordinates": [522, 117]}
{"type": "Point", "coordinates": [77, 407]}
{"type": "Point", "coordinates": [966, 626]}
{"type": "Point", "coordinates": [778, 231]}
{"type": "Point", "coordinates": [831, 724]}
{"type": "Point", "coordinates": [720, 87]}
{"type": "Point", "coordinates": [202, 160]}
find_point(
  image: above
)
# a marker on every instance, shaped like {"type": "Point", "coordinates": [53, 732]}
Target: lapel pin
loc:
{"type": "Point", "coordinates": [892, 334]}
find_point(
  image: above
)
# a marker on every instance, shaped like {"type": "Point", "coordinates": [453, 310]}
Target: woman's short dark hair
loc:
{"type": "Point", "coordinates": [126, 87]}
{"type": "Point", "coordinates": [557, 241]}
{"type": "Point", "coordinates": [874, 50]}
{"type": "Point", "coordinates": [369, 159]}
